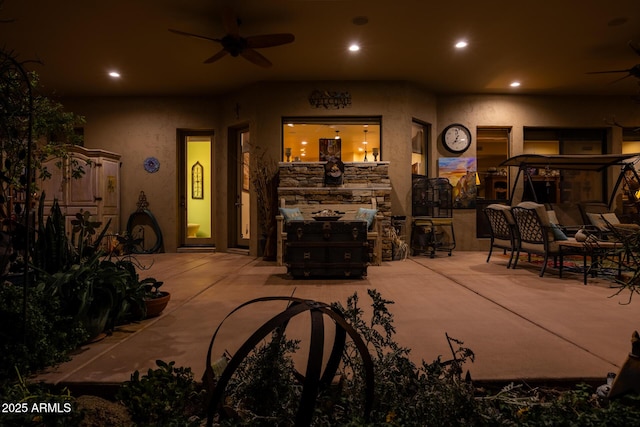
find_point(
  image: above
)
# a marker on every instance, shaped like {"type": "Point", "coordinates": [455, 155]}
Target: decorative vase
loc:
{"type": "Point", "coordinates": [155, 306]}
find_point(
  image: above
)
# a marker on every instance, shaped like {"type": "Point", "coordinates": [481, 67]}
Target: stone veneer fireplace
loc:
{"type": "Point", "coordinates": [303, 183]}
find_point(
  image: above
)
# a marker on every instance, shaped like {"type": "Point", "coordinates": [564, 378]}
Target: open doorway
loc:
{"type": "Point", "coordinates": [239, 187]}
{"type": "Point", "coordinates": [196, 188]}
{"type": "Point", "coordinates": [419, 148]}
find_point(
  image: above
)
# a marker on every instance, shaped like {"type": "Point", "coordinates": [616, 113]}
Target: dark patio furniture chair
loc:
{"type": "Point", "coordinates": [628, 254]}
{"type": "Point", "coordinates": [536, 235]}
{"type": "Point", "coordinates": [503, 230]}
{"type": "Point", "coordinates": [599, 217]}
{"type": "Point", "coordinates": [592, 207]}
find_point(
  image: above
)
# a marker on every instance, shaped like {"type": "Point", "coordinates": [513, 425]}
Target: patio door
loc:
{"type": "Point", "coordinates": [196, 194]}
{"type": "Point", "coordinates": [239, 188]}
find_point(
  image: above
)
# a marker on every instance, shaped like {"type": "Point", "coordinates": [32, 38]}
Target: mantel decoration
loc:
{"type": "Point", "coordinates": [333, 172]}
{"type": "Point", "coordinates": [329, 99]}
{"type": "Point", "coordinates": [365, 146]}
{"type": "Point", "coordinates": [330, 149]}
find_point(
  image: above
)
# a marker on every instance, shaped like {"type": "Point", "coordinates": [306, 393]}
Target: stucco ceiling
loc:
{"type": "Point", "coordinates": [547, 45]}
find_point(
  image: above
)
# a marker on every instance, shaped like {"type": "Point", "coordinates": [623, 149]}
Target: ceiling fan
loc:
{"type": "Point", "coordinates": [633, 71]}
{"type": "Point", "coordinates": [235, 45]}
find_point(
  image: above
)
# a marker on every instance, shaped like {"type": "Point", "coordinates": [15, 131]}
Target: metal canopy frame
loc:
{"type": "Point", "coordinates": [597, 163]}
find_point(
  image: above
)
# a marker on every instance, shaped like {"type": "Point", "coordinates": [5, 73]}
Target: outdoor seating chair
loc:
{"type": "Point", "coordinates": [503, 230]}
{"type": "Point", "coordinates": [599, 217]}
{"type": "Point", "coordinates": [536, 235]}
{"type": "Point", "coordinates": [592, 207]}
{"type": "Point", "coordinates": [628, 253]}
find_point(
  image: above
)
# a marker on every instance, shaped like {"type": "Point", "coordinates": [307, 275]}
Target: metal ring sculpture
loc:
{"type": "Point", "coordinates": [145, 217]}
{"type": "Point", "coordinates": [315, 378]}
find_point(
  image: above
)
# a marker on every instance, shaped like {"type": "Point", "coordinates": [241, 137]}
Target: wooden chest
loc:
{"type": "Point", "coordinates": [327, 248]}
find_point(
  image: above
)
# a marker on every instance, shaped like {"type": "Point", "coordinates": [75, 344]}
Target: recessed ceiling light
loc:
{"type": "Point", "coordinates": [514, 84]}
{"type": "Point", "coordinates": [461, 44]}
{"type": "Point", "coordinates": [304, 142]}
{"type": "Point", "coordinates": [354, 47]}
{"type": "Point", "coordinates": [114, 74]}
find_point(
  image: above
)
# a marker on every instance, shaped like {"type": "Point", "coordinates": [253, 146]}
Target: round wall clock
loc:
{"type": "Point", "coordinates": [456, 138]}
{"type": "Point", "coordinates": [151, 164]}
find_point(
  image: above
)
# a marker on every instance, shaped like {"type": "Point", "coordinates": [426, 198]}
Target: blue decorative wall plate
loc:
{"type": "Point", "coordinates": [151, 164]}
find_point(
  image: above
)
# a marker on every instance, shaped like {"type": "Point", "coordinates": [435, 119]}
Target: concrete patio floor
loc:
{"type": "Point", "coordinates": [520, 326]}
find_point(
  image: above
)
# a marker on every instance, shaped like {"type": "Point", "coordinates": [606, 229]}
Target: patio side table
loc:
{"type": "Point", "coordinates": [596, 250]}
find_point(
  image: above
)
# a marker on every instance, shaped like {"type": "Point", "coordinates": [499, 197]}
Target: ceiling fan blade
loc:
{"type": "Point", "coordinates": [621, 78]}
{"type": "Point", "coordinates": [610, 71]}
{"type": "Point", "coordinates": [183, 33]}
{"type": "Point", "coordinates": [217, 56]}
{"type": "Point", "coordinates": [230, 21]}
{"type": "Point", "coordinates": [255, 57]}
{"type": "Point", "coordinates": [269, 40]}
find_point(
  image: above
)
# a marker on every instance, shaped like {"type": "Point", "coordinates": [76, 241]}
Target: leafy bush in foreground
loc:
{"type": "Point", "coordinates": [48, 337]}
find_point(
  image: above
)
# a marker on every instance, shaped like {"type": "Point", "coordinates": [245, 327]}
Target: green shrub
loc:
{"type": "Point", "coordinates": [166, 396]}
{"type": "Point", "coordinates": [29, 394]}
{"type": "Point", "coordinates": [265, 391]}
{"type": "Point", "coordinates": [405, 394]}
{"type": "Point", "coordinates": [47, 337]}
{"type": "Point", "coordinates": [573, 408]}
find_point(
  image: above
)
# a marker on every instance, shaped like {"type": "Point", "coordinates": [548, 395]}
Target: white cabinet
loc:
{"type": "Point", "coordinates": [97, 191]}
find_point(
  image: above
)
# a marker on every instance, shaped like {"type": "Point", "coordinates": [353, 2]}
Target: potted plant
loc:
{"type": "Point", "coordinates": [93, 290]}
{"type": "Point", "coordinates": [144, 296]}
{"type": "Point", "coordinates": [155, 300]}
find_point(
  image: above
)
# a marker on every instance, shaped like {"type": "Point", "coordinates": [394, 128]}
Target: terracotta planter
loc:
{"type": "Point", "coordinates": [156, 305]}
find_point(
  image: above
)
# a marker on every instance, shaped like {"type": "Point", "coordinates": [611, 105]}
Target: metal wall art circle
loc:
{"type": "Point", "coordinates": [151, 164]}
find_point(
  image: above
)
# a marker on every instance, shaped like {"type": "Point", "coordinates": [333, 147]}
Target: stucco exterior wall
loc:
{"type": "Point", "coordinates": [139, 127]}
{"type": "Point", "coordinates": [519, 112]}
{"type": "Point", "coordinates": [262, 107]}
